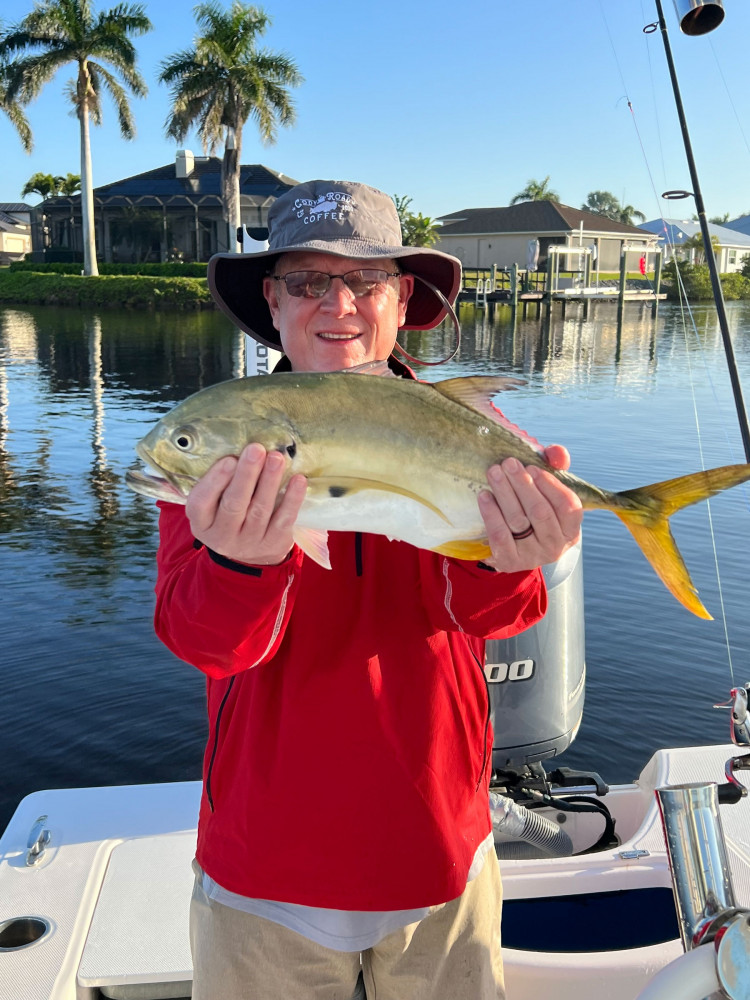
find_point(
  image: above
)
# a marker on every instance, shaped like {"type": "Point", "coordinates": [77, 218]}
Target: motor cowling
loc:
{"type": "Point", "coordinates": [536, 680]}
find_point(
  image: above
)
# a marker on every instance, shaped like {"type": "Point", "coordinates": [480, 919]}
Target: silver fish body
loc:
{"type": "Point", "coordinates": [396, 457]}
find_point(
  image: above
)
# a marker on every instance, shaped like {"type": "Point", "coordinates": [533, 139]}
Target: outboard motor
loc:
{"type": "Point", "coordinates": [536, 679]}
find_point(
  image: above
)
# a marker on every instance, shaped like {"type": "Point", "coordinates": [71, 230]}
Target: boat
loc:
{"type": "Point", "coordinates": [630, 890]}
{"type": "Point", "coordinates": [95, 885]}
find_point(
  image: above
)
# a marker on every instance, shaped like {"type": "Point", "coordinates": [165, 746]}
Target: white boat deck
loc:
{"type": "Point", "coordinates": [114, 886]}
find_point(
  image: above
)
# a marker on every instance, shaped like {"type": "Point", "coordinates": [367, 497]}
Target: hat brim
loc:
{"type": "Point", "coordinates": [236, 283]}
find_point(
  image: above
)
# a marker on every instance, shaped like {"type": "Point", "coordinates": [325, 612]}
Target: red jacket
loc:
{"type": "Point", "coordinates": [349, 747]}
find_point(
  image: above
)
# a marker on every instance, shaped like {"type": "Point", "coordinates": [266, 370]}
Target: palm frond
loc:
{"type": "Point", "coordinates": [19, 122]}
{"type": "Point", "coordinates": [107, 81]}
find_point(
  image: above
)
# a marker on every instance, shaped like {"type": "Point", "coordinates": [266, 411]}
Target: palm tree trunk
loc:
{"type": "Point", "coordinates": [230, 186]}
{"type": "Point", "coordinates": [87, 188]}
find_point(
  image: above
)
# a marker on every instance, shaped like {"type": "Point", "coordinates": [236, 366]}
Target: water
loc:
{"type": "Point", "coordinates": [89, 695]}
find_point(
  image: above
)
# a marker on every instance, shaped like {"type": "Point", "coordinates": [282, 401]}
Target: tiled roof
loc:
{"type": "Point", "coordinates": [741, 225]}
{"type": "Point", "coordinates": [530, 217]}
{"type": "Point", "coordinates": [15, 206]}
{"type": "Point", "coordinates": [676, 231]}
{"type": "Point", "coordinates": [256, 182]}
{"type": "Point", "coordinates": [8, 222]}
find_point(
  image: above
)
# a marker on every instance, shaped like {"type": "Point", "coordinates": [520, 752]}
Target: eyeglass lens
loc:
{"type": "Point", "coordinates": [315, 284]}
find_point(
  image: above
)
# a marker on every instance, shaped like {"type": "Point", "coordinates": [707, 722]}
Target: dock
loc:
{"type": "Point", "coordinates": [514, 286]}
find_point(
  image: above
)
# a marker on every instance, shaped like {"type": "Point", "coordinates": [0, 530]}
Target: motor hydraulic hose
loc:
{"type": "Point", "coordinates": [532, 835]}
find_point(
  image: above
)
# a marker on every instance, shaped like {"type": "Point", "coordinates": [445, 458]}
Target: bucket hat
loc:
{"type": "Point", "coordinates": [344, 219]}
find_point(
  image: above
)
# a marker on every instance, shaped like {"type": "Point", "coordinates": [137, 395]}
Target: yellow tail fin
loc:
{"type": "Point", "coordinates": [645, 513]}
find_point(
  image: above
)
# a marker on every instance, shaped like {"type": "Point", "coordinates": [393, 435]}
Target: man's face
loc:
{"type": "Point", "coordinates": [337, 330]}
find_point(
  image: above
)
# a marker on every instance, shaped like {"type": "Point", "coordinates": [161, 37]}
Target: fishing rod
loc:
{"type": "Point", "coordinates": [698, 18]}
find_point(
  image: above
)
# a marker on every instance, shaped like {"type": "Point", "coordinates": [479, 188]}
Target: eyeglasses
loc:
{"type": "Point", "coordinates": [315, 284]}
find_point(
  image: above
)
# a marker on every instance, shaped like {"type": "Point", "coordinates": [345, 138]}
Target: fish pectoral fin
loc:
{"type": "Point", "coordinates": [473, 550]}
{"type": "Point", "coordinates": [340, 486]}
{"type": "Point", "coordinates": [475, 392]}
{"type": "Point", "coordinates": [314, 543]}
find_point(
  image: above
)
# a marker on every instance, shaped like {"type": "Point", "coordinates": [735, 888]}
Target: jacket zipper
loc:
{"type": "Point", "coordinates": [209, 794]}
{"type": "Point", "coordinates": [358, 552]}
{"type": "Point", "coordinates": [486, 721]}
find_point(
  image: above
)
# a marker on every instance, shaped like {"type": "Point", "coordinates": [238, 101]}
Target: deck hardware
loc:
{"type": "Point", "coordinates": [739, 731]}
{"type": "Point", "coordinates": [739, 725]}
{"type": "Point", "coordinates": [701, 878]}
{"type": "Point", "coordinates": [733, 958]}
{"type": "Point", "coordinates": [20, 932]}
{"type": "Point", "coordinates": [633, 855]}
{"type": "Point", "coordinates": [38, 840]}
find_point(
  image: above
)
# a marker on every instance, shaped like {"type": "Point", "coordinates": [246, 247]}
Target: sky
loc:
{"type": "Point", "coordinates": [454, 107]}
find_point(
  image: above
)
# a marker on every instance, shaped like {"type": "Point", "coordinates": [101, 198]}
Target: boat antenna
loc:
{"type": "Point", "coordinates": [698, 17]}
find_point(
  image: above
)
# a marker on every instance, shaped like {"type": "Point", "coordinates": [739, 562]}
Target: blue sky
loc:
{"type": "Point", "coordinates": [454, 111]}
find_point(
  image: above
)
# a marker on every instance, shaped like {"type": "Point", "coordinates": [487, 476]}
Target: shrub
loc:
{"type": "Point", "coordinates": [173, 270]}
{"type": "Point", "coordinates": [697, 281]}
{"type": "Point", "coordinates": [735, 286]}
{"type": "Point", "coordinates": [114, 291]}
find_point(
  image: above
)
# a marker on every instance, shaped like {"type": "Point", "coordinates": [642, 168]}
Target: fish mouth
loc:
{"type": "Point", "coordinates": [154, 481]}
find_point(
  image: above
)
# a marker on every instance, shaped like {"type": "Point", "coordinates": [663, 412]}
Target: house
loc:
{"type": "Point", "coordinates": [481, 237]}
{"type": "Point", "coordinates": [171, 213]}
{"type": "Point", "coordinates": [15, 230]}
{"type": "Point", "coordinates": [741, 224]}
{"type": "Point", "coordinates": [733, 245]}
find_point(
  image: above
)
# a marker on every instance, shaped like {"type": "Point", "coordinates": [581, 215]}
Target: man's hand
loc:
{"type": "Point", "coordinates": [529, 502]}
{"type": "Point", "coordinates": [235, 509]}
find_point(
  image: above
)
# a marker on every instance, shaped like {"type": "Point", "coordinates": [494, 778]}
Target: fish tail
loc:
{"type": "Point", "coordinates": [646, 512]}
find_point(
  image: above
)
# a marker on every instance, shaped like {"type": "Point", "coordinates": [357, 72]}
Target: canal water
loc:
{"type": "Point", "coordinates": [90, 697]}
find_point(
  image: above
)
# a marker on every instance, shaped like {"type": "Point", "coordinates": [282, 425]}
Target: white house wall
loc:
{"type": "Point", "coordinates": [484, 251]}
{"type": "Point", "coordinates": [505, 250]}
{"type": "Point", "coordinates": [11, 243]}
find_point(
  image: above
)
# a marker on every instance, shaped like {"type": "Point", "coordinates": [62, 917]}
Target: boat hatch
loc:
{"type": "Point", "coordinates": [138, 943]}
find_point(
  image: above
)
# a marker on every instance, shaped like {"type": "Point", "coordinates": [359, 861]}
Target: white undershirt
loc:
{"type": "Point", "coordinates": [342, 930]}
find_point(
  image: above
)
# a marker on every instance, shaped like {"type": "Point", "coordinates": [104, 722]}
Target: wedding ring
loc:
{"type": "Point", "coordinates": [523, 534]}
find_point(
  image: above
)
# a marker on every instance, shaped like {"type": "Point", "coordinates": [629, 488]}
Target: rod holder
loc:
{"type": "Point", "coordinates": [698, 17]}
{"type": "Point", "coordinates": [701, 878]}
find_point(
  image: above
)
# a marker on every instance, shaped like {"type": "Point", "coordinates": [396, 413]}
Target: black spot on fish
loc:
{"type": "Point", "coordinates": [337, 491]}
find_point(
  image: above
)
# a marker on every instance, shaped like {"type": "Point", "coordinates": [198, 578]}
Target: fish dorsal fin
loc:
{"type": "Point", "coordinates": [475, 392]}
{"type": "Point", "coordinates": [368, 368]}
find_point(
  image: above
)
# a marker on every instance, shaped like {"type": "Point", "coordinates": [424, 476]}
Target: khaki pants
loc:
{"type": "Point", "coordinates": [452, 954]}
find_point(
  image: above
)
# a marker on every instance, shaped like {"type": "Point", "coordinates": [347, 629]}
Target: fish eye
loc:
{"type": "Point", "coordinates": [184, 438]}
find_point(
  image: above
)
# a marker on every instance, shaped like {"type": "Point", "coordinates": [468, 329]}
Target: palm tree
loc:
{"type": "Point", "coordinates": [58, 32]}
{"type": "Point", "coordinates": [536, 191]}
{"type": "Point", "coordinates": [13, 110]}
{"type": "Point", "coordinates": [45, 185]}
{"type": "Point", "coordinates": [221, 83]}
{"type": "Point", "coordinates": [69, 184]}
{"type": "Point", "coordinates": [627, 214]}
{"type": "Point", "coordinates": [402, 202]}
{"type": "Point", "coordinates": [697, 247]}
{"type": "Point", "coordinates": [420, 231]}
{"type": "Point", "coordinates": [602, 203]}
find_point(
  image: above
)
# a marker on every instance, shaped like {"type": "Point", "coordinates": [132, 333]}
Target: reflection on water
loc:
{"type": "Point", "coordinates": [91, 697]}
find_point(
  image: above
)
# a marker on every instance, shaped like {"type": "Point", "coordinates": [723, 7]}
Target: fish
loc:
{"type": "Point", "coordinates": [397, 457]}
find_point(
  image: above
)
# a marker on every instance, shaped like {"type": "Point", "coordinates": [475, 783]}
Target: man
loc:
{"type": "Point", "coordinates": [345, 804]}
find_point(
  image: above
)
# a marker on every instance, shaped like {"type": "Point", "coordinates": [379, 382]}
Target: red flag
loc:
{"type": "Point", "coordinates": [642, 265]}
